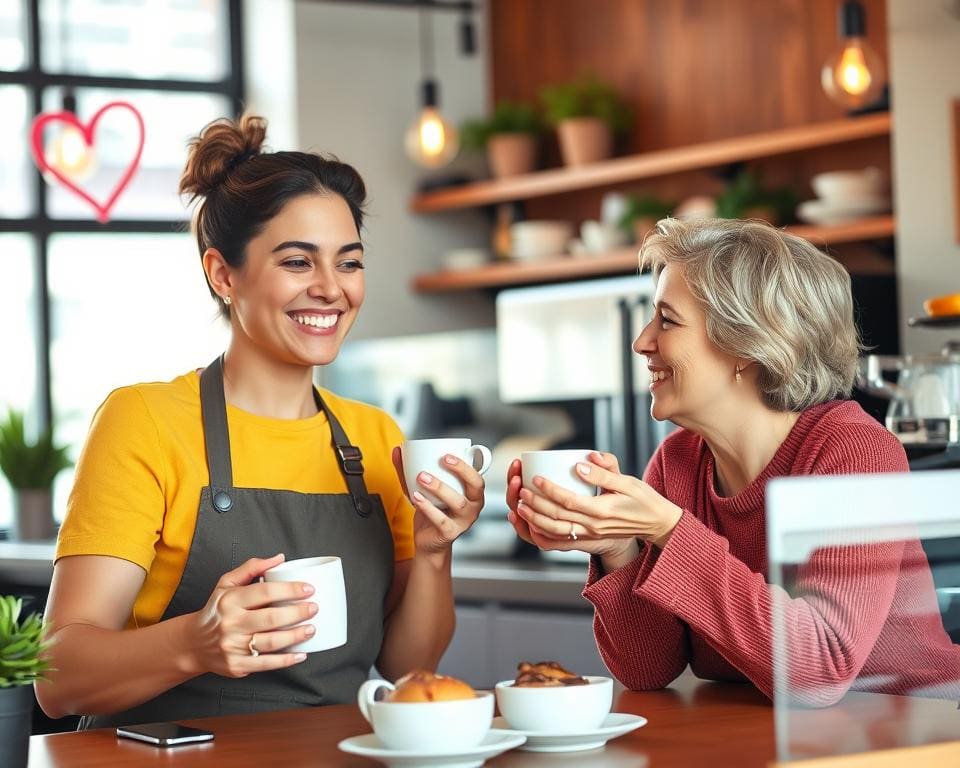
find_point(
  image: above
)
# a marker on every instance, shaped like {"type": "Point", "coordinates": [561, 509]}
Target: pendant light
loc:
{"type": "Point", "coordinates": [430, 141]}
{"type": "Point", "coordinates": [854, 75]}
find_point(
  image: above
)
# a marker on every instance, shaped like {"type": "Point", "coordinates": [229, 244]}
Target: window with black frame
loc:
{"type": "Point", "coordinates": [90, 305]}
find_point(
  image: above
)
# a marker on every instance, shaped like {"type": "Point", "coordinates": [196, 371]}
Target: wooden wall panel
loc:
{"type": "Point", "coordinates": [693, 70]}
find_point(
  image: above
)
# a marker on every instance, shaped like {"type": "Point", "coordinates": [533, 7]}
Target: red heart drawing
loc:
{"type": "Point", "coordinates": [87, 131]}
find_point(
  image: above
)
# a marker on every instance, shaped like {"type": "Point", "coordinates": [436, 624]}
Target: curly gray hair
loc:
{"type": "Point", "coordinates": [770, 297]}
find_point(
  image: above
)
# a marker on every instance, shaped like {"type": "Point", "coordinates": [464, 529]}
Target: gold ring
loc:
{"type": "Point", "coordinates": [573, 534]}
{"type": "Point", "coordinates": [252, 647]}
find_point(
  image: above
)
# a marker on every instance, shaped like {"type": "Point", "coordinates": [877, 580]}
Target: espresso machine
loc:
{"type": "Point", "coordinates": [924, 395]}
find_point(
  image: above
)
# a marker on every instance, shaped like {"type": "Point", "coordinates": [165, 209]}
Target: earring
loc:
{"type": "Point", "coordinates": [737, 370]}
{"type": "Point", "coordinates": [227, 300]}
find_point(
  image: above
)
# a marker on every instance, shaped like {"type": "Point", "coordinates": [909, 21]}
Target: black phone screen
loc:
{"type": "Point", "coordinates": [164, 734]}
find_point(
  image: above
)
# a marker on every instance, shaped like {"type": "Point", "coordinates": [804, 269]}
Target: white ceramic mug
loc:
{"type": "Point", "coordinates": [426, 726]}
{"type": "Point", "coordinates": [556, 710]}
{"type": "Point", "coordinates": [427, 456]}
{"type": "Point", "coordinates": [325, 575]}
{"type": "Point", "coordinates": [558, 467]}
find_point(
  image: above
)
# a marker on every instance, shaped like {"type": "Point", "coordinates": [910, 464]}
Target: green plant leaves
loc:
{"type": "Point", "coordinates": [586, 97]}
{"type": "Point", "coordinates": [21, 645]}
{"type": "Point", "coordinates": [29, 465]}
{"type": "Point", "coordinates": [508, 117]}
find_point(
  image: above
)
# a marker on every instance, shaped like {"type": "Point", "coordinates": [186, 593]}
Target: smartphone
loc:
{"type": "Point", "coordinates": [164, 734]}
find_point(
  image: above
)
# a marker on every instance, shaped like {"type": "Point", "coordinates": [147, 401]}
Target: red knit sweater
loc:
{"type": "Point", "coordinates": [868, 616]}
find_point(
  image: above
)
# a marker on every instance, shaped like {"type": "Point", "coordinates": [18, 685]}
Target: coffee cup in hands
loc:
{"type": "Point", "coordinates": [325, 575]}
{"type": "Point", "coordinates": [559, 467]}
{"type": "Point", "coordinates": [427, 456]}
{"type": "Point", "coordinates": [455, 718]}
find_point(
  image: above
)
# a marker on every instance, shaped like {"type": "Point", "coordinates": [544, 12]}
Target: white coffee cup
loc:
{"type": "Point", "coordinates": [426, 726]}
{"type": "Point", "coordinates": [556, 710]}
{"type": "Point", "coordinates": [558, 467]}
{"type": "Point", "coordinates": [325, 575]}
{"type": "Point", "coordinates": [427, 456]}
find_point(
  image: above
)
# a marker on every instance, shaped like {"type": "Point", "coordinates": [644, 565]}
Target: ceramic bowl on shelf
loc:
{"type": "Point", "coordinates": [539, 239]}
{"type": "Point", "coordinates": [828, 212]}
{"type": "Point", "coordinates": [849, 186]}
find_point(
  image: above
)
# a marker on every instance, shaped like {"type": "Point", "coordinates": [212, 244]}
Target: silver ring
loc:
{"type": "Point", "coordinates": [252, 647]}
{"type": "Point", "coordinates": [573, 533]}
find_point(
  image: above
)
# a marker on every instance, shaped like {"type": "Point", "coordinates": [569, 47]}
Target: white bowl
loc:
{"type": "Point", "coordinates": [538, 239]}
{"type": "Point", "coordinates": [558, 710]}
{"type": "Point", "coordinates": [843, 186]}
{"type": "Point", "coordinates": [826, 212]}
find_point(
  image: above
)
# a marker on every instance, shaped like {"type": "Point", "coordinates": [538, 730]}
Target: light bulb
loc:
{"type": "Point", "coordinates": [430, 140]}
{"type": "Point", "coordinates": [70, 154]}
{"type": "Point", "coordinates": [854, 75]}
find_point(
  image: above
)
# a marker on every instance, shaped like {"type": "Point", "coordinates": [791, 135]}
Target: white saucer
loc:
{"type": "Point", "coordinates": [615, 724]}
{"type": "Point", "coordinates": [493, 744]}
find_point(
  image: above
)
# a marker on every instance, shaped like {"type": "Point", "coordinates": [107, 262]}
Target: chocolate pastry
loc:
{"type": "Point", "coordinates": [545, 674]}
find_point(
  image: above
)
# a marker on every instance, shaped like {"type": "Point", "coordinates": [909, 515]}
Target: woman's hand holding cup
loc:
{"type": "Point", "coordinates": [443, 482]}
{"type": "Point", "coordinates": [241, 630]}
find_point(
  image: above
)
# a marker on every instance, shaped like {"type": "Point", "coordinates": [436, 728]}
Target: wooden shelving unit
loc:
{"type": "Point", "coordinates": [651, 164]}
{"type": "Point", "coordinates": [623, 261]}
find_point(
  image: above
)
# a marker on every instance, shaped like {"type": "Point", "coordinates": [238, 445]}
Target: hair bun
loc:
{"type": "Point", "coordinates": [221, 146]}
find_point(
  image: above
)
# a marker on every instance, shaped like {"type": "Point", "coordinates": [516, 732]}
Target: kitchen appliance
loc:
{"type": "Point", "coordinates": [572, 343]}
{"type": "Point", "coordinates": [924, 410]}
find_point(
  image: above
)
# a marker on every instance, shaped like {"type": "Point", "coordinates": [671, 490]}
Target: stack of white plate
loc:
{"type": "Point", "coordinates": [845, 196]}
{"type": "Point", "coordinates": [539, 239]}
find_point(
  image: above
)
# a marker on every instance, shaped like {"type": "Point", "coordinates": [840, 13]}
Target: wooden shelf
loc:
{"type": "Point", "coordinates": [652, 164]}
{"type": "Point", "coordinates": [623, 261]}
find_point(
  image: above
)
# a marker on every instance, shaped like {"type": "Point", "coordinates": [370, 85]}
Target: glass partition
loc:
{"type": "Point", "coordinates": [865, 575]}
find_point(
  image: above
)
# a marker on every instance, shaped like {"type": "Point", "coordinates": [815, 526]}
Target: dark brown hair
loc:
{"type": "Point", "coordinates": [241, 187]}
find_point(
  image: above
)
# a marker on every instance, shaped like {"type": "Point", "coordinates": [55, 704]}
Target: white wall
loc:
{"type": "Point", "coordinates": [925, 77]}
{"type": "Point", "coordinates": [358, 75]}
{"type": "Point", "coordinates": [270, 68]}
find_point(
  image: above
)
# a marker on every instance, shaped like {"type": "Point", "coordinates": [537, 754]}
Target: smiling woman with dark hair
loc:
{"type": "Point", "coordinates": [751, 349]}
{"type": "Point", "coordinates": [187, 491]}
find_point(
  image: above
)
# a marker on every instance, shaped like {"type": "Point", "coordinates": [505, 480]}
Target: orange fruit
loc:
{"type": "Point", "coordinates": [943, 305]}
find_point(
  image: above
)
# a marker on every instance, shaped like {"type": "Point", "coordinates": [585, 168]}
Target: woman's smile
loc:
{"type": "Point", "coordinates": [316, 323]}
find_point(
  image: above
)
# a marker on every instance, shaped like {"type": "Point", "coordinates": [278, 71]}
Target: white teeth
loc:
{"type": "Point", "coordinates": [317, 321]}
{"type": "Point", "coordinates": [658, 375]}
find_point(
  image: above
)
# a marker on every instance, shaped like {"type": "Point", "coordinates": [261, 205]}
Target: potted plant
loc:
{"type": "Point", "coordinates": [747, 198]}
{"type": "Point", "coordinates": [510, 137]}
{"type": "Point", "coordinates": [31, 469]}
{"type": "Point", "coordinates": [587, 114]}
{"type": "Point", "coordinates": [642, 214]}
{"type": "Point", "coordinates": [21, 648]}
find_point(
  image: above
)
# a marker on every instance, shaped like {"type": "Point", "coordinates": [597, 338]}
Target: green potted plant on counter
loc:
{"type": "Point", "coordinates": [21, 664]}
{"type": "Point", "coordinates": [510, 136]}
{"type": "Point", "coordinates": [587, 114]}
{"type": "Point", "coordinates": [642, 214]}
{"type": "Point", "coordinates": [30, 469]}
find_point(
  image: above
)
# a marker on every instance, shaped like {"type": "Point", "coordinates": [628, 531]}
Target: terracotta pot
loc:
{"type": "Point", "coordinates": [584, 140]}
{"type": "Point", "coordinates": [16, 709]}
{"type": "Point", "coordinates": [510, 154]}
{"type": "Point", "coordinates": [33, 515]}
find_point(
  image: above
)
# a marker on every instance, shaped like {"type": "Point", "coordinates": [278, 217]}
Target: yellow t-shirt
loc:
{"type": "Point", "coordinates": [143, 466]}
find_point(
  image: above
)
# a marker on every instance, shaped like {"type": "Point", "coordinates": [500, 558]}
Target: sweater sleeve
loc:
{"type": "Point", "coordinates": [840, 601]}
{"type": "Point", "coordinates": [643, 645]}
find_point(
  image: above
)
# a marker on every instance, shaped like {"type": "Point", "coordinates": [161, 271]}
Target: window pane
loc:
{"type": "Point", "coordinates": [18, 343]}
{"type": "Point", "coordinates": [170, 120]}
{"type": "Point", "coordinates": [163, 39]}
{"type": "Point", "coordinates": [125, 309]}
{"type": "Point", "coordinates": [17, 174]}
{"type": "Point", "coordinates": [13, 35]}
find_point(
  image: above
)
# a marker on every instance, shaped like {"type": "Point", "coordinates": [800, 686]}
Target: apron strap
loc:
{"type": "Point", "coordinates": [350, 459]}
{"type": "Point", "coordinates": [216, 437]}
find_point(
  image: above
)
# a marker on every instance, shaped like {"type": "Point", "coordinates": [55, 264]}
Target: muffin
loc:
{"type": "Point", "coordinates": [421, 685]}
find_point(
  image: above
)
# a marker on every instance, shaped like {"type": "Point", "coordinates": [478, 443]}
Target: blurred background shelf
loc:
{"type": "Point", "coordinates": [623, 261]}
{"type": "Point", "coordinates": [653, 164]}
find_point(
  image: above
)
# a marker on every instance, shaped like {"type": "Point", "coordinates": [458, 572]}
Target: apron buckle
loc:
{"type": "Point", "coordinates": [351, 459]}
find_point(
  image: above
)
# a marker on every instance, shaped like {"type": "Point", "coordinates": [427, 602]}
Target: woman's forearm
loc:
{"type": "Point", "coordinates": [420, 628]}
{"type": "Point", "coordinates": [100, 671]}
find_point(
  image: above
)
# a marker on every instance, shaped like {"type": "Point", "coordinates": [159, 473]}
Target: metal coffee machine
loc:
{"type": "Point", "coordinates": [924, 394]}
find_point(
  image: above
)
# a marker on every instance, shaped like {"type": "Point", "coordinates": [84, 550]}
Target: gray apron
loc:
{"type": "Point", "coordinates": [235, 524]}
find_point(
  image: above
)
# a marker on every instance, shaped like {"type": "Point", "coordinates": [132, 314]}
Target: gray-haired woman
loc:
{"type": "Point", "coordinates": [751, 349]}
